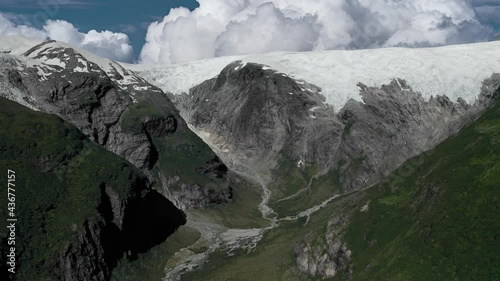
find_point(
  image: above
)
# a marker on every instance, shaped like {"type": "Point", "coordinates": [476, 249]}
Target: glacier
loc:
{"type": "Point", "coordinates": [456, 71]}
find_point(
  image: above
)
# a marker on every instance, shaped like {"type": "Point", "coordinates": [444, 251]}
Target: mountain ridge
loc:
{"type": "Point", "coordinates": [430, 71]}
{"type": "Point", "coordinates": [255, 115]}
{"type": "Point", "coordinates": [249, 125]}
{"type": "Point", "coordinates": [120, 111]}
{"type": "Point", "coordinates": [81, 208]}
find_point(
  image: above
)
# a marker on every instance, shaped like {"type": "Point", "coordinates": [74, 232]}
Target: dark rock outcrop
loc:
{"type": "Point", "coordinates": [215, 168]}
{"type": "Point", "coordinates": [124, 228]}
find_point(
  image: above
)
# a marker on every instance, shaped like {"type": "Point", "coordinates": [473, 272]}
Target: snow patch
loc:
{"type": "Point", "coordinates": [138, 88]}
{"type": "Point", "coordinates": [55, 62]}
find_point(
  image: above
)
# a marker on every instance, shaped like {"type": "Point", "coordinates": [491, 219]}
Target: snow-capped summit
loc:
{"type": "Point", "coordinates": [52, 56]}
{"type": "Point", "coordinates": [454, 71]}
{"type": "Point", "coordinates": [51, 59]}
{"type": "Point", "coordinates": [17, 45]}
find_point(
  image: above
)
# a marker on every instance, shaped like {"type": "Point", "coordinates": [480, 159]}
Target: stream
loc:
{"type": "Point", "coordinates": [216, 237]}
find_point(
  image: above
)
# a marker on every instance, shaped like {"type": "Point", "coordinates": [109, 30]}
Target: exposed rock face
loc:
{"type": "Point", "coordinates": [125, 226]}
{"type": "Point", "coordinates": [128, 227]}
{"type": "Point", "coordinates": [325, 256]}
{"type": "Point", "coordinates": [255, 117]}
{"type": "Point", "coordinates": [262, 115]}
{"type": "Point", "coordinates": [161, 127]}
{"type": "Point", "coordinates": [92, 102]}
{"type": "Point", "coordinates": [325, 253]}
{"type": "Point", "coordinates": [394, 124]}
{"type": "Point", "coordinates": [85, 208]}
{"type": "Point", "coordinates": [259, 114]}
{"type": "Point", "coordinates": [189, 196]}
{"type": "Point", "coordinates": [214, 167]}
{"type": "Point", "coordinates": [110, 105]}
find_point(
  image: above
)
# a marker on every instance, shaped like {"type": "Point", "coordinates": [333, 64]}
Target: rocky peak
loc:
{"type": "Point", "coordinates": [253, 111]}
{"type": "Point", "coordinates": [113, 107]}
{"type": "Point", "coordinates": [52, 58]}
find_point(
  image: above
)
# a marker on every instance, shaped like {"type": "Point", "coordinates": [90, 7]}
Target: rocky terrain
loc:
{"type": "Point", "coordinates": [119, 111]}
{"type": "Point", "coordinates": [257, 119]}
{"type": "Point", "coordinates": [81, 208]}
{"type": "Point", "coordinates": [262, 164]}
{"type": "Point", "coordinates": [255, 116]}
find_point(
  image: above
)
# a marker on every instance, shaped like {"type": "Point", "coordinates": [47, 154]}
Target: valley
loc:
{"type": "Point", "coordinates": [421, 207]}
{"type": "Point", "coordinates": [263, 167]}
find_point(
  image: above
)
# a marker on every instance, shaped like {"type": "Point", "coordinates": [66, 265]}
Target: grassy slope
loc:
{"type": "Point", "coordinates": [241, 213]}
{"type": "Point", "coordinates": [441, 222]}
{"type": "Point", "coordinates": [437, 223]}
{"type": "Point", "coordinates": [58, 175]}
{"type": "Point", "coordinates": [291, 182]}
{"type": "Point", "coordinates": [181, 153]}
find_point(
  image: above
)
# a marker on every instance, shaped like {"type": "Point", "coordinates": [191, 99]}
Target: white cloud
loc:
{"type": "Point", "coordinates": [107, 44]}
{"type": "Point", "coordinates": [8, 27]}
{"type": "Point", "coordinates": [230, 27]}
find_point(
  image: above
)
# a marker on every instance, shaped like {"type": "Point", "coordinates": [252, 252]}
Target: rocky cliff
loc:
{"type": "Point", "coordinates": [80, 209]}
{"type": "Point", "coordinates": [119, 111]}
{"type": "Point", "coordinates": [260, 119]}
{"type": "Point", "coordinates": [263, 116]}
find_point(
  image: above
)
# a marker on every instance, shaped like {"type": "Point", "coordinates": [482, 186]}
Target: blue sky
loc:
{"type": "Point", "coordinates": [127, 16]}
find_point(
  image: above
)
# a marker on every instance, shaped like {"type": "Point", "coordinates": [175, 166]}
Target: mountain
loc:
{"type": "Point", "coordinates": [435, 218]}
{"type": "Point", "coordinates": [454, 71]}
{"type": "Point", "coordinates": [359, 114]}
{"type": "Point", "coordinates": [123, 113]}
{"type": "Point", "coordinates": [258, 118]}
{"type": "Point", "coordinates": [288, 166]}
{"type": "Point", "coordinates": [79, 208]}
{"type": "Point", "coordinates": [313, 127]}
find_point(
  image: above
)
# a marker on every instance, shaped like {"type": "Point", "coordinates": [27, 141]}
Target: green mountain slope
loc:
{"type": "Point", "coordinates": [435, 218]}
{"type": "Point", "coordinates": [79, 208]}
{"type": "Point", "coordinates": [438, 216]}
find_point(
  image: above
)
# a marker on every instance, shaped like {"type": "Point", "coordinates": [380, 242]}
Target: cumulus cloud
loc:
{"type": "Point", "coordinates": [230, 27]}
{"type": "Point", "coordinates": [8, 26]}
{"type": "Point", "coordinates": [107, 44]}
